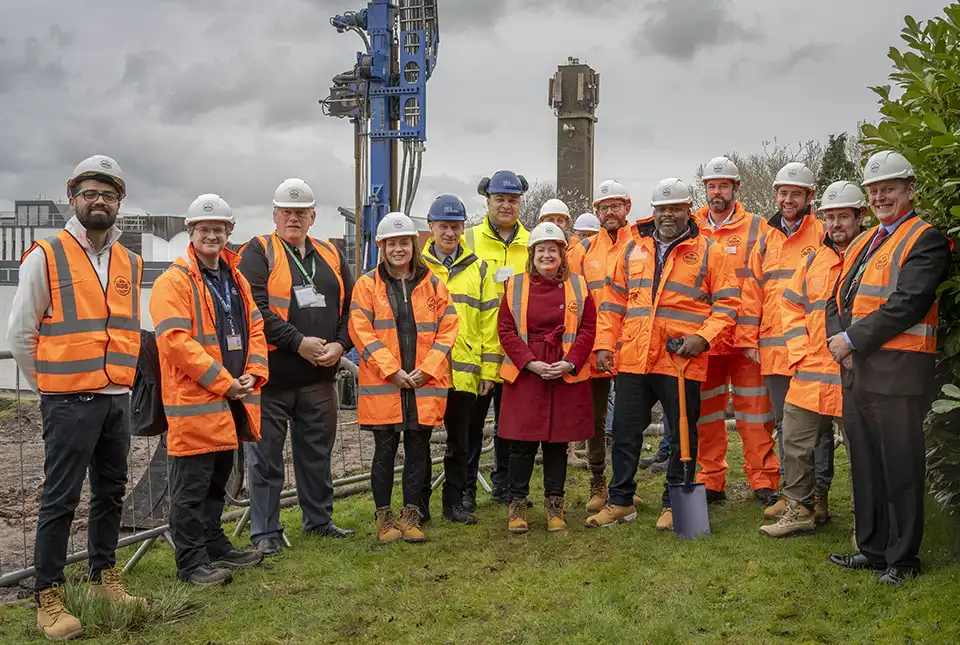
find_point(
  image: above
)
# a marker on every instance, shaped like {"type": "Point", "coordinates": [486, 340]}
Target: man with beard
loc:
{"type": "Point", "coordinates": [74, 331]}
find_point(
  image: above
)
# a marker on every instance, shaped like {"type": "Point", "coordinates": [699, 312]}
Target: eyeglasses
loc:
{"type": "Point", "coordinates": [611, 208]}
{"type": "Point", "coordinates": [109, 196]}
{"type": "Point", "coordinates": [204, 231]}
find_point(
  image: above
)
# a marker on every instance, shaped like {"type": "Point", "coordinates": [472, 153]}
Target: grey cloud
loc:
{"type": "Point", "coordinates": [793, 58]}
{"type": "Point", "coordinates": [32, 66]}
{"type": "Point", "coordinates": [680, 29]}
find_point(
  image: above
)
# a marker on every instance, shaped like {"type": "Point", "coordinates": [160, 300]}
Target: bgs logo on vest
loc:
{"type": "Point", "coordinates": [807, 251]}
{"type": "Point", "coordinates": [573, 307]}
{"type": "Point", "coordinates": [736, 240]}
{"type": "Point", "coordinates": [691, 258]}
{"type": "Point", "coordinates": [122, 285]}
{"type": "Point", "coordinates": [882, 261]}
{"type": "Point", "coordinates": [432, 303]}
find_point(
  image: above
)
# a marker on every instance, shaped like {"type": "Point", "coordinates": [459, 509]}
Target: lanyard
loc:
{"type": "Point", "coordinates": [224, 300]}
{"type": "Point", "coordinates": [313, 263]}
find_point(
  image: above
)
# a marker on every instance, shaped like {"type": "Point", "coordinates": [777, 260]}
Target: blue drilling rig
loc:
{"type": "Point", "coordinates": [384, 96]}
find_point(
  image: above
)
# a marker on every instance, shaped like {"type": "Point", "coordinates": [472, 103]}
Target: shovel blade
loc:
{"type": "Point", "coordinates": [690, 517]}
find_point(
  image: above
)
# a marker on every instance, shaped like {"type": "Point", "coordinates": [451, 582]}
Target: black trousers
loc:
{"type": "Point", "coordinates": [636, 396]}
{"type": "Point", "coordinates": [456, 420]}
{"type": "Point", "coordinates": [887, 460]}
{"type": "Point", "coordinates": [522, 457]}
{"type": "Point", "coordinates": [197, 495]}
{"type": "Point", "coordinates": [416, 464]}
{"type": "Point", "coordinates": [500, 475]}
{"type": "Point", "coordinates": [81, 432]}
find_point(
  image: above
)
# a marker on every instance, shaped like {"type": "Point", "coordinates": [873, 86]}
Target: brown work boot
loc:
{"type": "Point", "coordinates": [665, 521]}
{"type": "Point", "coordinates": [598, 493]}
{"type": "Point", "coordinates": [611, 515]}
{"type": "Point", "coordinates": [774, 512]}
{"type": "Point", "coordinates": [387, 530]}
{"type": "Point", "coordinates": [111, 588]}
{"type": "Point", "coordinates": [517, 518]}
{"type": "Point", "coordinates": [410, 524]}
{"type": "Point", "coordinates": [53, 619]}
{"type": "Point", "coordinates": [796, 519]}
{"type": "Point", "coordinates": [555, 519]}
{"type": "Point", "coordinates": [821, 508]}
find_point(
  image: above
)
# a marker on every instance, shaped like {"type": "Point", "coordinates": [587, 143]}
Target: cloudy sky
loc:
{"type": "Point", "coordinates": [194, 96]}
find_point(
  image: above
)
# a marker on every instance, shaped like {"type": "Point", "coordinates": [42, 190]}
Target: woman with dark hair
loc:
{"type": "Point", "coordinates": [547, 324]}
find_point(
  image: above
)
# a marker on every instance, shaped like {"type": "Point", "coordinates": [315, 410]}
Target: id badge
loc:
{"type": "Point", "coordinates": [731, 250]}
{"type": "Point", "coordinates": [234, 343]}
{"type": "Point", "coordinates": [306, 296]}
{"type": "Point", "coordinates": [503, 274]}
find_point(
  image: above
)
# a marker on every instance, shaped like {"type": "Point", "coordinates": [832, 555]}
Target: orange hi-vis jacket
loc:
{"type": "Point", "coordinates": [815, 385]}
{"type": "Point", "coordinates": [879, 281]}
{"type": "Point", "coordinates": [696, 294]}
{"type": "Point", "coordinates": [193, 378]}
{"type": "Point", "coordinates": [373, 329]}
{"type": "Point", "coordinates": [772, 266]}
{"type": "Point", "coordinates": [736, 238]}
{"type": "Point", "coordinates": [595, 258]}
{"type": "Point", "coordinates": [516, 296]}
{"type": "Point", "coordinates": [279, 284]}
{"type": "Point", "coordinates": [91, 339]}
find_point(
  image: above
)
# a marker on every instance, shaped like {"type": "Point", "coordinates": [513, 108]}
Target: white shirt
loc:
{"type": "Point", "coordinates": [32, 302]}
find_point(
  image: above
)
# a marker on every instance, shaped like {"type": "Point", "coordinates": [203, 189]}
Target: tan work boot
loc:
{"type": "Point", "coordinates": [410, 524]}
{"type": "Point", "coordinates": [611, 515]}
{"type": "Point", "coordinates": [665, 521]}
{"type": "Point", "coordinates": [796, 519]}
{"type": "Point", "coordinates": [387, 530]}
{"type": "Point", "coordinates": [637, 501]}
{"type": "Point", "coordinates": [598, 494]}
{"type": "Point", "coordinates": [53, 619]}
{"type": "Point", "coordinates": [775, 511]}
{"type": "Point", "coordinates": [555, 518]}
{"type": "Point", "coordinates": [517, 518]}
{"type": "Point", "coordinates": [111, 588]}
{"type": "Point", "coordinates": [821, 508]}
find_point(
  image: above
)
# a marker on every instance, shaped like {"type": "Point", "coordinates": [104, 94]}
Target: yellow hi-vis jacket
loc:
{"type": "Point", "coordinates": [476, 352]}
{"type": "Point", "coordinates": [503, 259]}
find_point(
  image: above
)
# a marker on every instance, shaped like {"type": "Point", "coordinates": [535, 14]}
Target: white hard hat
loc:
{"type": "Point", "coordinates": [721, 168]}
{"type": "Point", "coordinates": [544, 232]}
{"type": "Point", "coordinates": [887, 165]}
{"type": "Point", "coordinates": [395, 225]}
{"type": "Point", "coordinates": [554, 207]}
{"type": "Point", "coordinates": [611, 189]}
{"type": "Point", "coordinates": [294, 193]}
{"type": "Point", "coordinates": [795, 174]}
{"type": "Point", "coordinates": [671, 191]}
{"type": "Point", "coordinates": [587, 222]}
{"type": "Point", "coordinates": [97, 165]}
{"type": "Point", "coordinates": [210, 208]}
{"type": "Point", "coordinates": [842, 194]}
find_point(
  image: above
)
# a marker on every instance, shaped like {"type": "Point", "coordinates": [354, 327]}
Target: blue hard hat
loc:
{"type": "Point", "coordinates": [503, 182]}
{"type": "Point", "coordinates": [447, 208]}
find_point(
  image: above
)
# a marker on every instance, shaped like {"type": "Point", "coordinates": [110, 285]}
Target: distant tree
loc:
{"type": "Point", "coordinates": [837, 165]}
{"type": "Point", "coordinates": [535, 197]}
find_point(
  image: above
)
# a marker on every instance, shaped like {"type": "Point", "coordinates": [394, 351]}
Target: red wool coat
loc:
{"type": "Point", "coordinates": [534, 409]}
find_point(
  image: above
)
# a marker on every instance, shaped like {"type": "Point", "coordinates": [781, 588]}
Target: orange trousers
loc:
{"type": "Point", "coordinates": [751, 406]}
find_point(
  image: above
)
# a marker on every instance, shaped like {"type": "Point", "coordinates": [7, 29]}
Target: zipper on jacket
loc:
{"type": "Point", "coordinates": [403, 287]}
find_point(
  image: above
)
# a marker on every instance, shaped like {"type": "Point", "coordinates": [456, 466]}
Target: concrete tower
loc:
{"type": "Point", "coordinates": [574, 96]}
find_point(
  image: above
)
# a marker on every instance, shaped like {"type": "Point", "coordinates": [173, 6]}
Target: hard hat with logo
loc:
{"type": "Point", "coordinates": [503, 182]}
{"type": "Point", "coordinates": [795, 174]}
{"type": "Point", "coordinates": [887, 165]}
{"type": "Point", "coordinates": [546, 232]}
{"type": "Point", "coordinates": [395, 225]}
{"type": "Point", "coordinates": [611, 189]}
{"type": "Point", "coordinates": [447, 208]}
{"type": "Point", "coordinates": [210, 208]}
{"type": "Point", "coordinates": [587, 222]}
{"type": "Point", "coordinates": [842, 194]}
{"type": "Point", "coordinates": [721, 168]}
{"type": "Point", "coordinates": [98, 165]}
{"type": "Point", "coordinates": [294, 193]}
{"type": "Point", "coordinates": [554, 207]}
{"type": "Point", "coordinates": [671, 191]}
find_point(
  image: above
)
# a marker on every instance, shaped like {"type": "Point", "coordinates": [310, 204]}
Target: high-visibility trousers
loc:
{"type": "Point", "coordinates": [754, 417]}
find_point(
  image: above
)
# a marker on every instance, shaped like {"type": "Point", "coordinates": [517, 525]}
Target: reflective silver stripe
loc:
{"type": "Point", "coordinates": [487, 305]}
{"type": "Point", "coordinates": [371, 348]}
{"type": "Point", "coordinates": [702, 275]}
{"type": "Point", "coordinates": [749, 320]}
{"type": "Point", "coordinates": [425, 327]}
{"type": "Point", "coordinates": [122, 323]}
{"type": "Point", "coordinates": [683, 289]}
{"type": "Point", "coordinates": [255, 315]}
{"type": "Point", "coordinates": [211, 374]}
{"type": "Point", "coordinates": [794, 297]}
{"type": "Point", "coordinates": [440, 347]}
{"type": "Point", "coordinates": [712, 418]}
{"type": "Point", "coordinates": [885, 291]}
{"type": "Point", "coordinates": [278, 302]}
{"type": "Point", "coordinates": [203, 339]}
{"type": "Point", "coordinates": [817, 377]}
{"type": "Point", "coordinates": [464, 299]}
{"type": "Point", "coordinates": [920, 329]}
{"type": "Point", "coordinates": [609, 306]}
{"type": "Point", "coordinates": [516, 303]}
{"type": "Point", "coordinates": [196, 409]}
{"type": "Point", "coordinates": [779, 274]}
{"type": "Point", "coordinates": [172, 323]}
{"type": "Point", "coordinates": [795, 333]}
{"type": "Point", "coordinates": [730, 292]}
{"type": "Point", "coordinates": [450, 311]}
{"type": "Point", "coordinates": [721, 309]}
{"type": "Point", "coordinates": [424, 392]}
{"type": "Point", "coordinates": [585, 241]}
{"type": "Point", "coordinates": [749, 391]}
{"type": "Point", "coordinates": [638, 312]}
{"type": "Point", "coordinates": [369, 314]}
{"type": "Point", "coordinates": [491, 358]}
{"type": "Point", "coordinates": [717, 391]}
{"type": "Point", "coordinates": [743, 272]}
{"type": "Point", "coordinates": [577, 284]}
{"type": "Point", "coordinates": [378, 390]}
{"type": "Point", "coordinates": [677, 314]}
{"type": "Point", "coordinates": [72, 327]}
{"type": "Point", "coordinates": [68, 298]}
{"type": "Point", "coordinates": [773, 341]}
{"type": "Point", "coordinates": [253, 399]}
{"type": "Point", "coordinates": [593, 285]}
{"type": "Point", "coordinates": [752, 236]}
{"type": "Point", "coordinates": [386, 323]}
{"type": "Point", "coordinates": [65, 368]}
{"type": "Point", "coordinates": [753, 418]}
{"type": "Point", "coordinates": [267, 243]}
{"type": "Point", "coordinates": [256, 360]}
{"type": "Point", "coordinates": [569, 338]}
{"type": "Point", "coordinates": [616, 287]}
{"type": "Point", "coordinates": [207, 339]}
{"type": "Point", "coordinates": [121, 360]}
{"type": "Point", "coordinates": [465, 367]}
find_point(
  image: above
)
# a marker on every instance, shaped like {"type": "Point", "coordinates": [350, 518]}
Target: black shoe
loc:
{"type": "Point", "coordinates": [207, 576]}
{"type": "Point", "coordinates": [659, 467]}
{"type": "Point", "coordinates": [715, 496]}
{"type": "Point", "coordinates": [470, 500]}
{"type": "Point", "coordinates": [459, 514]}
{"type": "Point", "coordinates": [500, 497]}
{"type": "Point", "coordinates": [896, 576]}
{"type": "Point", "coordinates": [331, 530]}
{"type": "Point", "coordinates": [425, 505]}
{"type": "Point", "coordinates": [269, 546]}
{"type": "Point", "coordinates": [856, 561]}
{"type": "Point", "coordinates": [646, 462]}
{"type": "Point", "coordinates": [237, 559]}
{"type": "Point", "coordinates": [766, 496]}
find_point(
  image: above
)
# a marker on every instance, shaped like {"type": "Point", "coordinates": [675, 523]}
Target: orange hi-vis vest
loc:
{"type": "Point", "coordinates": [697, 294]}
{"type": "Point", "coordinates": [772, 266]}
{"type": "Point", "coordinates": [516, 297]}
{"type": "Point", "coordinates": [373, 329]}
{"type": "Point", "coordinates": [879, 281]}
{"type": "Point", "coordinates": [194, 380]}
{"type": "Point", "coordinates": [595, 258]}
{"type": "Point", "coordinates": [91, 339]}
{"type": "Point", "coordinates": [737, 239]}
{"type": "Point", "coordinates": [815, 385]}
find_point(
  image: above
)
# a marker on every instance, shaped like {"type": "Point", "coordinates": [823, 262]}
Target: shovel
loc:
{"type": "Point", "coordinates": [688, 500]}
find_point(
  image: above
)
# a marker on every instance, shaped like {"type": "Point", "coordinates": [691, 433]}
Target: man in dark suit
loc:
{"type": "Point", "coordinates": [882, 325]}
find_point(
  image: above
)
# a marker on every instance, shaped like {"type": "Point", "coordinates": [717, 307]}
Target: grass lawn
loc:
{"type": "Point", "coordinates": [478, 585]}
